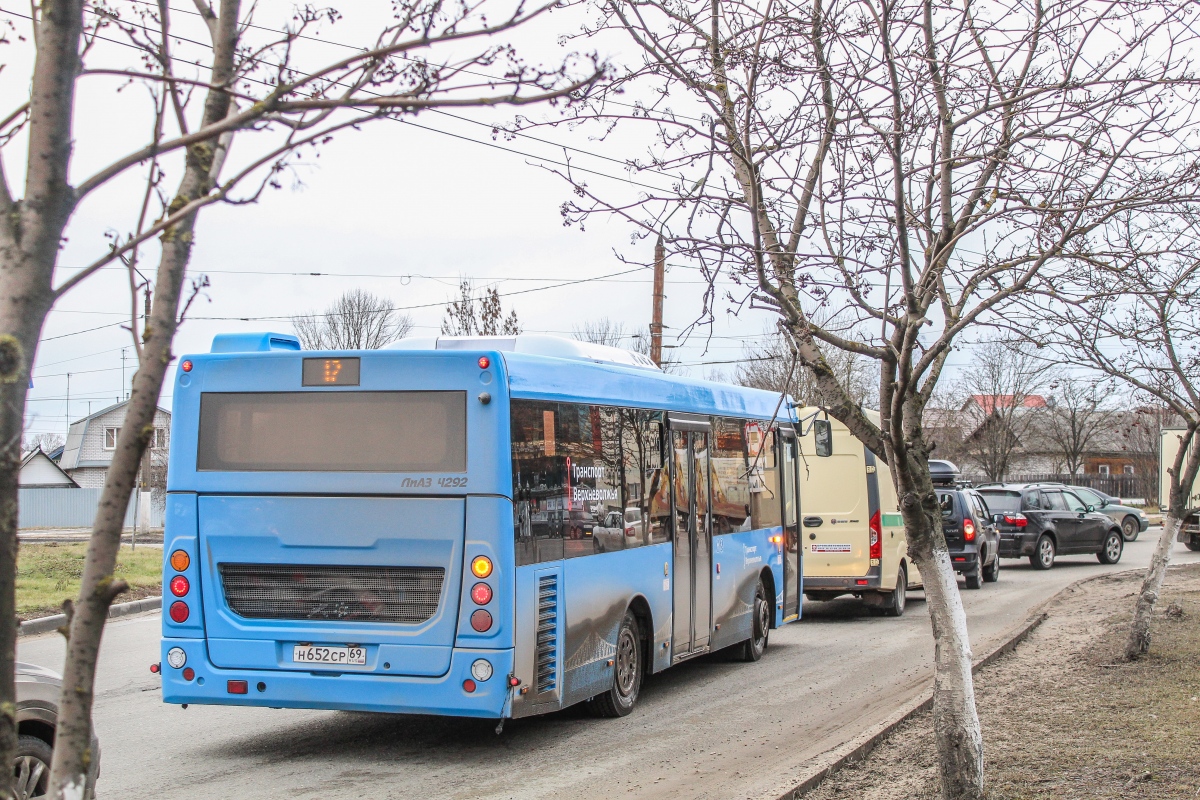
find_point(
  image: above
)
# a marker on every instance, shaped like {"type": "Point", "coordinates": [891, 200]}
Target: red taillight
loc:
{"type": "Point", "coordinates": [179, 611]}
{"type": "Point", "coordinates": [968, 530]}
{"type": "Point", "coordinates": [188, 673]}
{"type": "Point", "coordinates": [179, 586]}
{"type": "Point", "coordinates": [481, 593]}
{"type": "Point", "coordinates": [155, 668]}
{"type": "Point", "coordinates": [861, 582]}
{"type": "Point", "coordinates": [629, 530]}
{"type": "Point", "coordinates": [876, 535]}
{"type": "Point", "coordinates": [238, 687]}
{"type": "Point", "coordinates": [1019, 520]}
{"type": "Point", "coordinates": [484, 362]}
{"type": "Point", "coordinates": [468, 685]}
{"type": "Point", "coordinates": [186, 366]}
{"type": "Point", "coordinates": [481, 620]}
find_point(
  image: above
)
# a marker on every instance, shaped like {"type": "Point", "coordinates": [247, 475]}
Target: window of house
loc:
{"type": "Point", "coordinates": [1103, 469]}
{"type": "Point", "coordinates": [110, 438]}
{"type": "Point", "coordinates": [1129, 469]}
{"type": "Point", "coordinates": [160, 439]}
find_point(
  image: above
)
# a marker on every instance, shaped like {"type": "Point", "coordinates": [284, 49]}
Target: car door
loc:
{"type": "Point", "coordinates": [983, 520]}
{"type": "Point", "coordinates": [1091, 526]}
{"type": "Point", "coordinates": [1066, 522]}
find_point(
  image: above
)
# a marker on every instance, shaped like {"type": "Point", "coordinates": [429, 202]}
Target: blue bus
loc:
{"type": "Point", "coordinates": [485, 527]}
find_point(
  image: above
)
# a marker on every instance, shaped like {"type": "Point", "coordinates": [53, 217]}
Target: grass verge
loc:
{"type": "Point", "coordinates": [49, 573]}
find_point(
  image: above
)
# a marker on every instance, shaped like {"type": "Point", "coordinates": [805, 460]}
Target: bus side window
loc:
{"type": "Point", "coordinates": [730, 479]}
{"type": "Point", "coordinates": [539, 471]}
{"type": "Point", "coordinates": [647, 498]}
{"type": "Point", "coordinates": [766, 510]}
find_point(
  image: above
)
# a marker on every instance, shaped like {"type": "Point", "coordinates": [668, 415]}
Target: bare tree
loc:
{"type": "Point", "coordinates": [906, 168]}
{"type": "Point", "coordinates": [1080, 411]}
{"type": "Point", "coordinates": [475, 313]}
{"type": "Point", "coordinates": [1140, 431]}
{"type": "Point", "coordinates": [47, 442]}
{"type": "Point", "coordinates": [1137, 319]}
{"type": "Point", "coordinates": [428, 55]}
{"type": "Point", "coordinates": [358, 320]}
{"type": "Point", "coordinates": [771, 364]}
{"type": "Point", "coordinates": [1001, 385]}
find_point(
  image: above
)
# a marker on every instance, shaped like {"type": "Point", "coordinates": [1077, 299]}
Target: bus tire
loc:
{"type": "Point", "coordinates": [754, 647]}
{"type": "Point", "coordinates": [621, 697]}
{"type": "Point", "coordinates": [898, 596]}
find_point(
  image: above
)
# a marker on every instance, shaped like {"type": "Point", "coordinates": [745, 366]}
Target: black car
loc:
{"type": "Point", "coordinates": [971, 535]}
{"type": "Point", "coordinates": [1044, 521]}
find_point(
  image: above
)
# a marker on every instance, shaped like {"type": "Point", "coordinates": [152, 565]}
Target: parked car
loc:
{"type": "Point", "coordinates": [1132, 520]}
{"type": "Point", "coordinates": [618, 530]}
{"type": "Point", "coordinates": [1044, 521]}
{"type": "Point", "coordinates": [38, 690]}
{"type": "Point", "coordinates": [967, 523]}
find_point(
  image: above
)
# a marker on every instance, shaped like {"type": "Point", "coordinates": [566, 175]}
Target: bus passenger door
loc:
{"type": "Point", "coordinates": [790, 546]}
{"type": "Point", "coordinates": [692, 616]}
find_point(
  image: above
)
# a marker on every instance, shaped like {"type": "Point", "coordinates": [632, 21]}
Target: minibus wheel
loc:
{"type": "Point", "coordinates": [895, 607]}
{"type": "Point", "coordinates": [627, 673]}
{"type": "Point", "coordinates": [754, 647]}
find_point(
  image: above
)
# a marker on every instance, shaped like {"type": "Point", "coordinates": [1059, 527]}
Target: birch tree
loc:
{"type": "Point", "coordinates": [250, 84]}
{"type": "Point", "coordinates": [883, 177]}
{"type": "Point", "coordinates": [1137, 319]}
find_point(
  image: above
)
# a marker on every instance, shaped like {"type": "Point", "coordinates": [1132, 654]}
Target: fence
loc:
{"type": "Point", "coordinates": [1123, 486]}
{"type": "Point", "coordinates": [76, 508]}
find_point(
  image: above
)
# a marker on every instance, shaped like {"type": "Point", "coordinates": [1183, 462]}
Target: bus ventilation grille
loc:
{"type": "Point", "coordinates": [547, 633]}
{"type": "Point", "coordinates": [355, 594]}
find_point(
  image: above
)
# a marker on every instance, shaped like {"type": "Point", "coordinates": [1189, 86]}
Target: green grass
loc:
{"type": "Point", "coordinates": [47, 574]}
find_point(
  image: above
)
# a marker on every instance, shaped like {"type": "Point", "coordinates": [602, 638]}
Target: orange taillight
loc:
{"type": "Point", "coordinates": [481, 566]}
{"type": "Point", "coordinates": [180, 560]}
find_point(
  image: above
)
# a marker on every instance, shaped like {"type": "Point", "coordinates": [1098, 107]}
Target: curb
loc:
{"type": "Point", "coordinates": [46, 624]}
{"type": "Point", "coordinates": [861, 746]}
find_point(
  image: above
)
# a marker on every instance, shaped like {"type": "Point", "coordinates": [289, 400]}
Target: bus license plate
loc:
{"type": "Point", "coordinates": [308, 654]}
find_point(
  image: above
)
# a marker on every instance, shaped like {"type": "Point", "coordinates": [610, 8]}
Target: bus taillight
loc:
{"type": "Point", "coordinates": [481, 593]}
{"type": "Point", "coordinates": [481, 566]}
{"type": "Point", "coordinates": [179, 586]}
{"type": "Point", "coordinates": [481, 621]}
{"type": "Point", "coordinates": [179, 611]}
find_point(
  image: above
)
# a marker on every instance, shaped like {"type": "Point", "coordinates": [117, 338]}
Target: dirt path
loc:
{"type": "Point", "coordinates": [1063, 717]}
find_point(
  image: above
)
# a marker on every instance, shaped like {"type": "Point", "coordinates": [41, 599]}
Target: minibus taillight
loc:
{"type": "Point", "coordinates": [179, 586]}
{"type": "Point", "coordinates": [876, 526]}
{"type": "Point", "coordinates": [481, 593]}
{"type": "Point", "coordinates": [1019, 520]}
{"type": "Point", "coordinates": [179, 611]}
{"type": "Point", "coordinates": [969, 530]}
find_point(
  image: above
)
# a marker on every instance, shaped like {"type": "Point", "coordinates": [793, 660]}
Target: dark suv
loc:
{"type": "Point", "coordinates": [1043, 521]}
{"type": "Point", "coordinates": [971, 534]}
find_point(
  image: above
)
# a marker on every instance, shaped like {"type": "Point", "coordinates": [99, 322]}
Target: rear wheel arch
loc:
{"type": "Point", "coordinates": [641, 610]}
{"type": "Point", "coordinates": [768, 581]}
{"type": "Point", "coordinates": [37, 728]}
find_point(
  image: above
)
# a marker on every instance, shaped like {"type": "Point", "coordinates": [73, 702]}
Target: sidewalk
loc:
{"type": "Point", "coordinates": [64, 535]}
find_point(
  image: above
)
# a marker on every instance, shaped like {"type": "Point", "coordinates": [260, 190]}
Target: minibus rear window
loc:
{"type": "Point", "coordinates": [332, 432]}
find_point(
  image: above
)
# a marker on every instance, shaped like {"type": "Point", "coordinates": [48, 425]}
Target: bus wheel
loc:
{"type": "Point", "coordinates": [627, 673]}
{"type": "Point", "coordinates": [754, 647]}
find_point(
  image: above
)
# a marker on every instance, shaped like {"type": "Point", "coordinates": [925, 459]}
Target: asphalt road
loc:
{"type": "Point", "coordinates": [706, 729]}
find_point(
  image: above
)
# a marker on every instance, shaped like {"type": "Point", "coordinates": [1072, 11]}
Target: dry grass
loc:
{"type": "Point", "coordinates": [49, 573]}
{"type": "Point", "coordinates": [1063, 717]}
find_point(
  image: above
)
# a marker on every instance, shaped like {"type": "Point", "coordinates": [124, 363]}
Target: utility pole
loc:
{"type": "Point", "coordinates": [68, 402]}
{"type": "Point", "coordinates": [123, 349]}
{"type": "Point", "coordinates": [656, 323]}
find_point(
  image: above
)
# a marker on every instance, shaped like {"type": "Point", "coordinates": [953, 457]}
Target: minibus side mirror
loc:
{"type": "Point", "coordinates": [823, 437]}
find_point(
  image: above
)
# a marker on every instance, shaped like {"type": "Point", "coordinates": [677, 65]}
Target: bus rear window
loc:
{"type": "Point", "coordinates": [333, 432]}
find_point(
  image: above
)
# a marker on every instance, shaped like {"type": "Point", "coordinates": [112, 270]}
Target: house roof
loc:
{"type": "Point", "coordinates": [39, 456]}
{"type": "Point", "coordinates": [79, 429]}
{"type": "Point", "coordinates": [990, 402]}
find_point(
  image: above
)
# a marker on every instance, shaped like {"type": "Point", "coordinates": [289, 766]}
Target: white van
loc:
{"type": "Point", "coordinates": [852, 531]}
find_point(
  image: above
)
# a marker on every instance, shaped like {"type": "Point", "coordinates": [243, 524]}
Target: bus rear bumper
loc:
{"type": "Point", "coordinates": [343, 691]}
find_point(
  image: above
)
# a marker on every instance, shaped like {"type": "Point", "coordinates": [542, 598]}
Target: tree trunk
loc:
{"type": "Point", "coordinates": [957, 733]}
{"type": "Point", "coordinates": [1138, 643]}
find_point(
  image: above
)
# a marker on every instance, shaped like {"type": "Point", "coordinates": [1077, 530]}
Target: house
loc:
{"type": "Point", "coordinates": [987, 403]}
{"type": "Point", "coordinates": [38, 471]}
{"type": "Point", "coordinates": [92, 440]}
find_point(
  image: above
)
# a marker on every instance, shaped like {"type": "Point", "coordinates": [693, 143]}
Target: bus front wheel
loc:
{"type": "Point", "coordinates": [627, 673]}
{"type": "Point", "coordinates": [754, 647]}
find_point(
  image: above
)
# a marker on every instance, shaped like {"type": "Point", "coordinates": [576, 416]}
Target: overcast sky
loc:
{"type": "Point", "coordinates": [397, 209]}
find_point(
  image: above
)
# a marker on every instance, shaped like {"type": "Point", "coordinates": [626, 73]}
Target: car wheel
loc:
{"type": "Point", "coordinates": [1114, 544]}
{"type": "Point", "coordinates": [1043, 553]}
{"type": "Point", "coordinates": [899, 595]}
{"type": "Point", "coordinates": [627, 673]}
{"type": "Point", "coordinates": [31, 768]}
{"type": "Point", "coordinates": [974, 578]}
{"type": "Point", "coordinates": [1192, 544]}
{"type": "Point", "coordinates": [1130, 528]}
{"type": "Point", "coordinates": [754, 647]}
{"type": "Point", "coordinates": [991, 573]}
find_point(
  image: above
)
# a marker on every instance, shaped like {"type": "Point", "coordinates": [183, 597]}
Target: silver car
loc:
{"type": "Point", "coordinates": [38, 690]}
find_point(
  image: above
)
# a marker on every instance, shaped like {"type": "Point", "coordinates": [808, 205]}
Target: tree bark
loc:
{"type": "Point", "coordinates": [1138, 643]}
{"type": "Point", "coordinates": [957, 734]}
{"type": "Point", "coordinates": [72, 752]}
